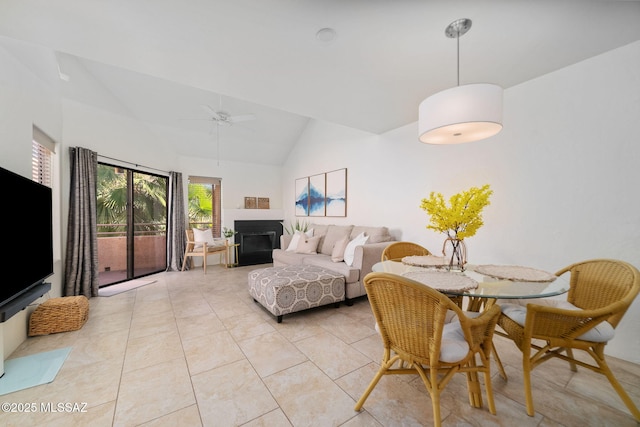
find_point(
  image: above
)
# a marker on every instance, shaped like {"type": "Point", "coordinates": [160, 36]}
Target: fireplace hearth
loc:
{"type": "Point", "coordinates": [257, 240]}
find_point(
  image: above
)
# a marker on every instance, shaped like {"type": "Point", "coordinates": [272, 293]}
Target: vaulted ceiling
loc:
{"type": "Point", "coordinates": [159, 62]}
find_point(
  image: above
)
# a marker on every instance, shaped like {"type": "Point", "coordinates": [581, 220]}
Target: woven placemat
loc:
{"type": "Point", "coordinates": [442, 280]}
{"type": "Point", "coordinates": [514, 273]}
{"type": "Point", "coordinates": [425, 261]}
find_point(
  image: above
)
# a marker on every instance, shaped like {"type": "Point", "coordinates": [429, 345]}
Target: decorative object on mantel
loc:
{"type": "Point", "coordinates": [263, 203]}
{"type": "Point", "coordinates": [461, 219]}
{"type": "Point", "coordinates": [256, 203]}
{"type": "Point", "coordinates": [464, 113]}
{"type": "Point", "coordinates": [425, 261]}
{"type": "Point", "coordinates": [250, 203]}
{"type": "Point", "coordinates": [442, 281]}
{"type": "Point", "coordinates": [514, 273]}
{"type": "Point", "coordinates": [322, 195]}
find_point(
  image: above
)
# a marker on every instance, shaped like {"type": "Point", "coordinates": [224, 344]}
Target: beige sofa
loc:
{"type": "Point", "coordinates": [364, 256]}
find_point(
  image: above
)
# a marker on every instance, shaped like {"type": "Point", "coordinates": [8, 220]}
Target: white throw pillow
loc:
{"type": "Point", "coordinates": [308, 245]}
{"type": "Point", "coordinates": [337, 254]}
{"type": "Point", "coordinates": [296, 238]}
{"type": "Point", "coordinates": [350, 250]}
{"type": "Point", "coordinates": [203, 236]}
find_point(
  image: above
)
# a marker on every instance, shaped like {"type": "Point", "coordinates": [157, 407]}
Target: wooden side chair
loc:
{"type": "Point", "coordinates": [398, 250]}
{"type": "Point", "coordinates": [417, 339]}
{"type": "Point", "coordinates": [600, 293]}
{"type": "Point", "coordinates": [203, 249]}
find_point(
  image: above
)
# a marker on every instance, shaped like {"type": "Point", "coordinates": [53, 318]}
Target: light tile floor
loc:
{"type": "Point", "coordinates": [196, 350]}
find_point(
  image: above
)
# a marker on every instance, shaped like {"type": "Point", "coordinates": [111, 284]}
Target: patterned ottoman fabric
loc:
{"type": "Point", "coordinates": [292, 288]}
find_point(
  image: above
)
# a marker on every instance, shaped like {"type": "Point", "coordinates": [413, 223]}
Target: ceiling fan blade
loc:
{"type": "Point", "coordinates": [207, 109]}
{"type": "Point", "coordinates": [214, 114]}
{"type": "Point", "coordinates": [242, 118]}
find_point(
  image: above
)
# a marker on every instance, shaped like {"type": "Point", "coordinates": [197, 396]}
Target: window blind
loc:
{"type": "Point", "coordinates": [42, 149]}
{"type": "Point", "coordinates": [41, 164]}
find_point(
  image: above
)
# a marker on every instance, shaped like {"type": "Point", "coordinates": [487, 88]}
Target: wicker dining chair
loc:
{"type": "Point", "coordinates": [600, 293]}
{"type": "Point", "coordinates": [398, 250]}
{"type": "Point", "coordinates": [411, 319]}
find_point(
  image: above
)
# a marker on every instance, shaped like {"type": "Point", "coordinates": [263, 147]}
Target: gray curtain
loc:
{"type": "Point", "coordinates": [176, 240]}
{"type": "Point", "coordinates": [81, 263]}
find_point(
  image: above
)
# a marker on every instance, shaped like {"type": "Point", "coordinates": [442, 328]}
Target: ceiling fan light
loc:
{"type": "Point", "coordinates": [326, 35]}
{"type": "Point", "coordinates": [461, 114]}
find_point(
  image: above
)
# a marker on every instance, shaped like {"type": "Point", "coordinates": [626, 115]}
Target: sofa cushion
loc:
{"type": "Point", "coordinates": [351, 274]}
{"type": "Point", "coordinates": [376, 234]}
{"type": "Point", "coordinates": [334, 234]}
{"type": "Point", "coordinates": [318, 229]}
{"type": "Point", "coordinates": [282, 257]}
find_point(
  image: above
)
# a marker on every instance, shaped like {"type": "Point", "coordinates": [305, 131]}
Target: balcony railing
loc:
{"type": "Point", "coordinates": [150, 246]}
{"type": "Point", "coordinates": [140, 229]}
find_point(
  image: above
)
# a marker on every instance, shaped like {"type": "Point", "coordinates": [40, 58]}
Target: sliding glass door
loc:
{"type": "Point", "coordinates": [132, 223]}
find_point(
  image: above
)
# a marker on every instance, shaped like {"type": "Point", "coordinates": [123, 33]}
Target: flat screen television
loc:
{"type": "Point", "coordinates": [28, 254]}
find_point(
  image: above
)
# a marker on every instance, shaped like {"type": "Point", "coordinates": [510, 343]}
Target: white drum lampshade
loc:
{"type": "Point", "coordinates": [461, 114]}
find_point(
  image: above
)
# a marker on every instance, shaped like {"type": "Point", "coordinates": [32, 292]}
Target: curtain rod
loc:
{"type": "Point", "coordinates": [134, 164]}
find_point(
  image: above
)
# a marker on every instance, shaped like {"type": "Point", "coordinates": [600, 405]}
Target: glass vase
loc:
{"type": "Point", "coordinates": [458, 257]}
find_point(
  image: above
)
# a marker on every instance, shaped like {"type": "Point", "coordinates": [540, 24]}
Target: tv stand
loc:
{"type": "Point", "coordinates": [18, 304]}
{"type": "Point", "coordinates": [11, 308]}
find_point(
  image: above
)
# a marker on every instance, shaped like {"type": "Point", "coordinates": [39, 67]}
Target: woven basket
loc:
{"type": "Point", "coordinates": [59, 315]}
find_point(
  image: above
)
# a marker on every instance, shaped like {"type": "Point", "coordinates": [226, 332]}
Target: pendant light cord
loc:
{"type": "Point", "coordinates": [218, 142]}
{"type": "Point", "coordinates": [458, 45]}
{"type": "Point", "coordinates": [218, 133]}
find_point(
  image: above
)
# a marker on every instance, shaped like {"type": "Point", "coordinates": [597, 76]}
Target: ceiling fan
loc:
{"type": "Point", "coordinates": [223, 118]}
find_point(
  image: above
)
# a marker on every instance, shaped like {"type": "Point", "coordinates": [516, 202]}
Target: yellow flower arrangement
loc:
{"type": "Point", "coordinates": [463, 217]}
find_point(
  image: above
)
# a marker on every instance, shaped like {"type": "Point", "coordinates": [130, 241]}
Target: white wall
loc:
{"type": "Point", "coordinates": [564, 171]}
{"type": "Point", "coordinates": [27, 98]}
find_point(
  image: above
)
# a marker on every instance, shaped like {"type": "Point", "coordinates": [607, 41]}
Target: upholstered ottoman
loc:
{"type": "Point", "coordinates": [288, 289]}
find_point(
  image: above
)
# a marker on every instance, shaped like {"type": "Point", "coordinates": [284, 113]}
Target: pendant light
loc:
{"type": "Point", "coordinates": [463, 113]}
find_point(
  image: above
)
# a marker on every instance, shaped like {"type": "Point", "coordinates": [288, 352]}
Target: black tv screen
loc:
{"type": "Point", "coordinates": [29, 253]}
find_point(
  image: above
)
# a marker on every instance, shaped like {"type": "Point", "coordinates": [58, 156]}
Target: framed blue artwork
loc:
{"type": "Point", "coordinates": [302, 196]}
{"type": "Point", "coordinates": [336, 193]}
{"type": "Point", "coordinates": [317, 195]}
{"type": "Point", "coordinates": [324, 194]}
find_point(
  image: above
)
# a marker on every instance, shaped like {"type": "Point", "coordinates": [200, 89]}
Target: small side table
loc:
{"type": "Point", "coordinates": [229, 253]}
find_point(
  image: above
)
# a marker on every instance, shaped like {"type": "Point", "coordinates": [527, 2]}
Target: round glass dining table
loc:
{"type": "Point", "coordinates": [488, 287]}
